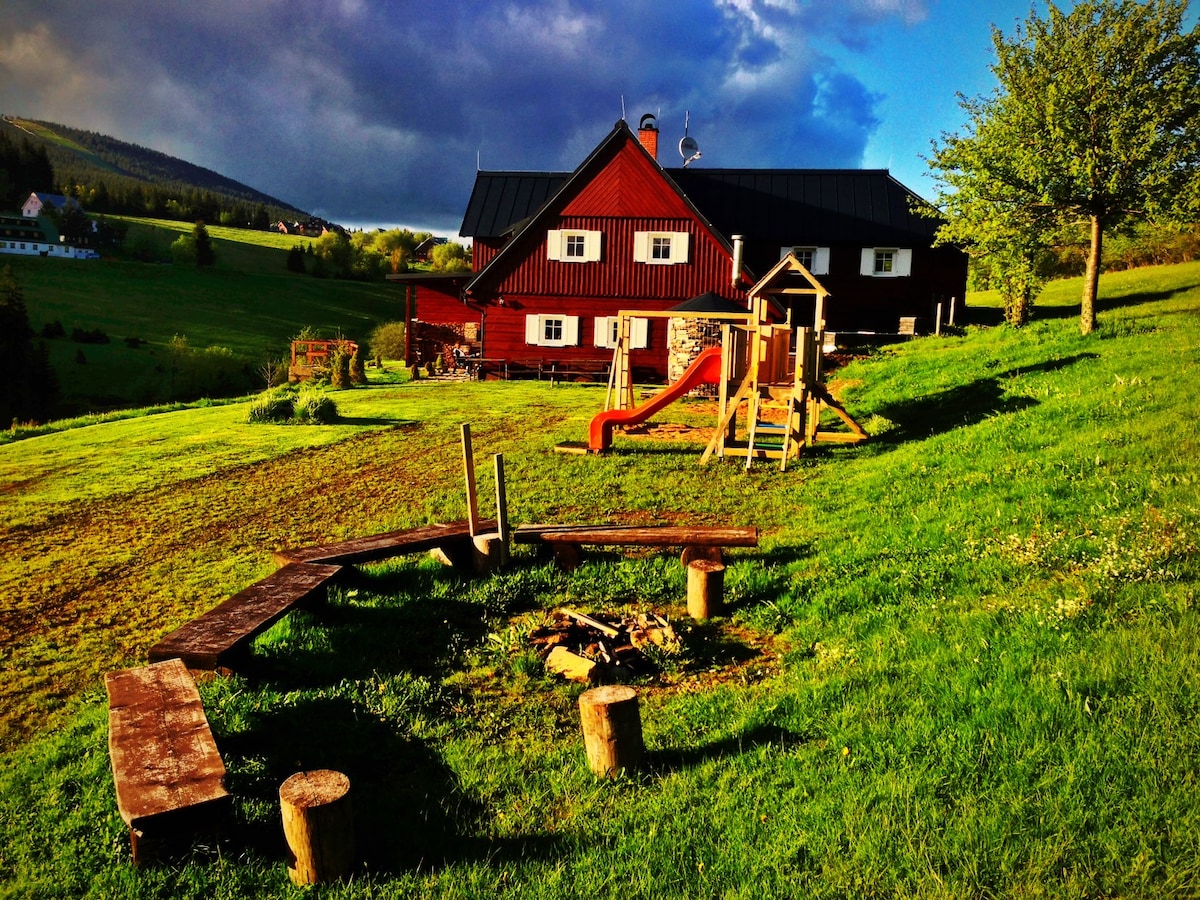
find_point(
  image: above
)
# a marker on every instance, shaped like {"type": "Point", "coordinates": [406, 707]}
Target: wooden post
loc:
{"type": "Point", "coordinates": [469, 472]}
{"type": "Point", "coordinates": [937, 326]}
{"type": "Point", "coordinates": [952, 305]}
{"type": "Point", "coordinates": [612, 730]}
{"type": "Point", "coordinates": [319, 825]}
{"type": "Point", "coordinates": [705, 588]}
{"type": "Point", "coordinates": [501, 508]}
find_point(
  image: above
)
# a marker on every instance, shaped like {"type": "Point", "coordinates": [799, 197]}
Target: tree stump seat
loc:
{"type": "Point", "coordinates": [167, 771]}
{"type": "Point", "coordinates": [219, 638]}
{"type": "Point", "coordinates": [697, 541]}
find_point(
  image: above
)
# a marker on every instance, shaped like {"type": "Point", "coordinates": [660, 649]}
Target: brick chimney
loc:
{"type": "Point", "coordinates": [648, 134]}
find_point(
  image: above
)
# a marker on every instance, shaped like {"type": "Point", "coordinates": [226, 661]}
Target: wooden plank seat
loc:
{"type": "Point", "coordinates": [168, 774]}
{"type": "Point", "coordinates": [698, 541]}
{"type": "Point", "coordinates": [385, 546]}
{"type": "Point", "coordinates": [219, 637]}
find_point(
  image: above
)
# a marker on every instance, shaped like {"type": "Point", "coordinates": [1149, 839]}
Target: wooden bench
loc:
{"type": "Point", "coordinates": [220, 637]}
{"type": "Point", "coordinates": [166, 768]}
{"type": "Point", "coordinates": [385, 546]}
{"type": "Point", "coordinates": [698, 541]}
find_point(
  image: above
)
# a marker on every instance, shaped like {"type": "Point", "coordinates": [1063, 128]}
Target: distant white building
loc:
{"type": "Point", "coordinates": [38, 202]}
{"type": "Point", "coordinates": [24, 236]}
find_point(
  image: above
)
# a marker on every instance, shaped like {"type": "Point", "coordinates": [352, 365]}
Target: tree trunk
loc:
{"type": "Point", "coordinates": [612, 730]}
{"type": "Point", "coordinates": [319, 825]}
{"type": "Point", "coordinates": [1091, 280]}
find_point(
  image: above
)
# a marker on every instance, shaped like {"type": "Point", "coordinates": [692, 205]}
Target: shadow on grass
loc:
{"type": "Point", "coordinates": [963, 406]}
{"type": "Point", "coordinates": [355, 639]}
{"type": "Point", "coordinates": [666, 762]}
{"type": "Point", "coordinates": [372, 420]}
{"type": "Point", "coordinates": [410, 812]}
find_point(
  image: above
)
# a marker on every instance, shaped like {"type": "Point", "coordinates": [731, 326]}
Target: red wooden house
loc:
{"type": "Point", "coordinates": [557, 255]}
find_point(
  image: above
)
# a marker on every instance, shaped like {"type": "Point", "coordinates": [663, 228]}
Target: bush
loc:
{"type": "Point", "coordinates": [387, 341]}
{"type": "Point", "coordinates": [272, 406]}
{"type": "Point", "coordinates": [358, 365]}
{"type": "Point", "coordinates": [315, 407]}
{"type": "Point", "coordinates": [339, 368]}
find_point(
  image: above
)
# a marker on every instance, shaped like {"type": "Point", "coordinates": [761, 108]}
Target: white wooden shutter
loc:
{"type": "Point", "coordinates": [868, 261]}
{"type": "Point", "coordinates": [570, 331]}
{"type": "Point", "coordinates": [554, 243]}
{"type": "Point", "coordinates": [639, 333]}
{"type": "Point", "coordinates": [902, 263]}
{"type": "Point", "coordinates": [603, 332]}
{"type": "Point", "coordinates": [591, 246]}
{"type": "Point", "coordinates": [679, 247]}
{"type": "Point", "coordinates": [533, 329]}
{"type": "Point", "coordinates": [821, 261]}
{"type": "Point", "coordinates": [641, 246]}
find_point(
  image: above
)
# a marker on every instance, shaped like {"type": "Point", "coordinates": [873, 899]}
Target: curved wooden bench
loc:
{"type": "Point", "coordinates": [166, 769]}
{"type": "Point", "coordinates": [218, 638]}
{"type": "Point", "coordinates": [697, 541]}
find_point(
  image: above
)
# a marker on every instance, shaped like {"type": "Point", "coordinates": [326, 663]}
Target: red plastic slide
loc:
{"type": "Point", "coordinates": [705, 369]}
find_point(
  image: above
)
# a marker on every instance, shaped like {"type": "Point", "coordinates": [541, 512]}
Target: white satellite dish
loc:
{"type": "Point", "coordinates": [689, 149]}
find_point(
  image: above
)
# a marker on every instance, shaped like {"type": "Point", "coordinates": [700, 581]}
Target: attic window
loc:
{"type": "Point", "coordinates": [886, 262]}
{"type": "Point", "coordinates": [574, 245]}
{"type": "Point", "coordinates": [815, 259]}
{"type": "Point", "coordinates": [660, 247]}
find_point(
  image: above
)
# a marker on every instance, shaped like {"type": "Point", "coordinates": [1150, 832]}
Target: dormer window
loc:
{"type": "Point", "coordinates": [663, 248]}
{"type": "Point", "coordinates": [886, 262]}
{"type": "Point", "coordinates": [815, 259]}
{"type": "Point", "coordinates": [573, 245]}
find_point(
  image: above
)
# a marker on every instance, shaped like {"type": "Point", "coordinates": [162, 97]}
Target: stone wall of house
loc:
{"type": "Point", "coordinates": [686, 337]}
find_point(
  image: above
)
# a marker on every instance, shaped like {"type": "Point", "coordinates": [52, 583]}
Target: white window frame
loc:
{"type": "Point", "coordinates": [820, 257]}
{"type": "Point", "coordinates": [901, 262]}
{"type": "Point", "coordinates": [645, 241]}
{"type": "Point", "coordinates": [537, 326]}
{"type": "Point", "coordinates": [560, 239]}
{"type": "Point", "coordinates": [605, 332]}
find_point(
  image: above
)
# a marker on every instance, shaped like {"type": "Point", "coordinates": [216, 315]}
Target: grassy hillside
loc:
{"type": "Point", "coordinates": [248, 303]}
{"type": "Point", "coordinates": [117, 176]}
{"type": "Point", "coordinates": [961, 663]}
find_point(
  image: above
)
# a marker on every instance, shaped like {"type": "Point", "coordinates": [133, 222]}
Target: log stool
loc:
{"type": "Point", "coordinates": [319, 825]}
{"type": "Point", "coordinates": [612, 729]}
{"type": "Point", "coordinates": [705, 588]}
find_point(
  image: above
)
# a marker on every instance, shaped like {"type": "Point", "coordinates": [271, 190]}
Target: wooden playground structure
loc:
{"type": "Point", "coordinates": [310, 358]}
{"type": "Point", "coordinates": [764, 364]}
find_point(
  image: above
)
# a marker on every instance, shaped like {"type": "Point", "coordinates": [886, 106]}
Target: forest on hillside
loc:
{"type": "Point", "coordinates": [111, 176]}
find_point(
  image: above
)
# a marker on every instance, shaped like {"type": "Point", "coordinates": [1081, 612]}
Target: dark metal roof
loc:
{"type": "Point", "coordinates": [711, 302]}
{"type": "Point", "coordinates": [801, 206]}
{"type": "Point", "coordinates": [502, 200]}
{"type": "Point", "coordinates": [766, 206]}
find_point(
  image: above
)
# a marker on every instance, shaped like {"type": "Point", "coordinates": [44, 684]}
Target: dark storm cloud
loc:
{"type": "Point", "coordinates": [377, 112]}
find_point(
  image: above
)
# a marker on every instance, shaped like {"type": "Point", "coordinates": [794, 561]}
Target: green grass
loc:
{"type": "Point", "coordinates": [962, 662]}
{"type": "Point", "coordinates": [248, 303]}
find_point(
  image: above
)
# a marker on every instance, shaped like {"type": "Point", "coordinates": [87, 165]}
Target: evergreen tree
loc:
{"type": "Point", "coordinates": [28, 389]}
{"type": "Point", "coordinates": [205, 254]}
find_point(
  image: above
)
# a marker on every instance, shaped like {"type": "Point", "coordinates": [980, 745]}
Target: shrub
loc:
{"type": "Point", "coordinates": [272, 406]}
{"type": "Point", "coordinates": [358, 365]}
{"type": "Point", "coordinates": [53, 330]}
{"type": "Point", "coordinates": [387, 341]}
{"type": "Point", "coordinates": [315, 407]}
{"type": "Point", "coordinates": [339, 367]}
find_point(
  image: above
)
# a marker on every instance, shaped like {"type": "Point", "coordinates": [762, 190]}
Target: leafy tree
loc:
{"type": "Point", "coordinates": [450, 257]}
{"type": "Point", "coordinates": [1096, 119]}
{"type": "Point", "coordinates": [206, 255]}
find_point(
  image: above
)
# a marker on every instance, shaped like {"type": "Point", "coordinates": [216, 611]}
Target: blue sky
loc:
{"type": "Point", "coordinates": [377, 113]}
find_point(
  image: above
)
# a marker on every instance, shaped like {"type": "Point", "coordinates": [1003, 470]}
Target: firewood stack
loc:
{"type": "Point", "coordinates": [596, 649]}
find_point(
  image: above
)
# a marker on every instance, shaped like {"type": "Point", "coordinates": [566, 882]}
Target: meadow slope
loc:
{"type": "Point", "coordinates": [963, 661]}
